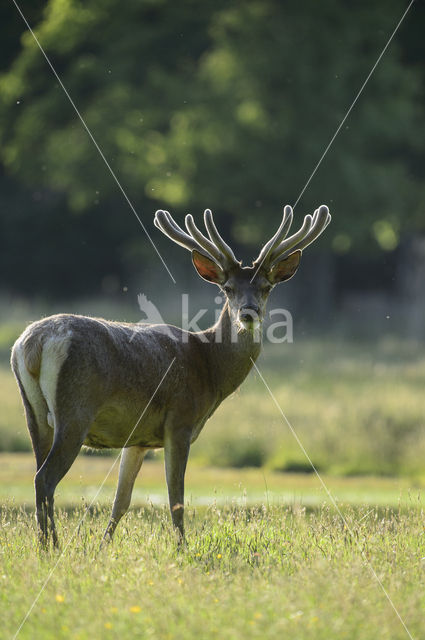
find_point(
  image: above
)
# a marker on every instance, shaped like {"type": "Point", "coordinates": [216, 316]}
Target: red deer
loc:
{"type": "Point", "coordinates": [86, 381]}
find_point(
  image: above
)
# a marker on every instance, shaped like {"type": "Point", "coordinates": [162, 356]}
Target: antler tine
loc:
{"type": "Point", "coordinates": [164, 221]}
{"type": "Point", "coordinates": [216, 238]}
{"type": "Point", "coordinates": [218, 251]}
{"type": "Point", "coordinates": [323, 218]}
{"type": "Point", "coordinates": [278, 236]}
{"type": "Point", "coordinates": [310, 230]}
{"type": "Point", "coordinates": [202, 240]}
{"type": "Point", "coordinates": [291, 241]}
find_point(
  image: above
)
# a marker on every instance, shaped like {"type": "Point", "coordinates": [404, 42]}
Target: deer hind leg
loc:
{"type": "Point", "coordinates": [66, 445]}
{"type": "Point", "coordinates": [70, 421]}
{"type": "Point", "coordinates": [131, 461]}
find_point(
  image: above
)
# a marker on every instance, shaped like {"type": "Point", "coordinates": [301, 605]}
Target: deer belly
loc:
{"type": "Point", "coordinates": [115, 427]}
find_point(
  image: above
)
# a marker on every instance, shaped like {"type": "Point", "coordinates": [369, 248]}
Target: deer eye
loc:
{"type": "Point", "coordinates": [227, 289]}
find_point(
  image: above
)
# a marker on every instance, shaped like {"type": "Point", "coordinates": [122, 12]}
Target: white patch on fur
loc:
{"type": "Point", "coordinates": [249, 326]}
{"type": "Point", "coordinates": [55, 351]}
{"type": "Point", "coordinates": [32, 388]}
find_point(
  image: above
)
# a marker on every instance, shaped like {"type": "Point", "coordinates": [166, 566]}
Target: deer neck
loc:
{"type": "Point", "coordinates": [232, 351]}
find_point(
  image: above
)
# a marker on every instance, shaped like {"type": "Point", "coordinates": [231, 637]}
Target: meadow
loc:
{"type": "Point", "coordinates": [246, 572]}
{"type": "Point", "coordinates": [269, 553]}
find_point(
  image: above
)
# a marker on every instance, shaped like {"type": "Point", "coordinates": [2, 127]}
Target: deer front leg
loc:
{"type": "Point", "coordinates": [131, 461]}
{"type": "Point", "coordinates": [176, 450]}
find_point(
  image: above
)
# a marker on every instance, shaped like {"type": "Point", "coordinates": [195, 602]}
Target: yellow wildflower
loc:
{"type": "Point", "coordinates": [135, 609]}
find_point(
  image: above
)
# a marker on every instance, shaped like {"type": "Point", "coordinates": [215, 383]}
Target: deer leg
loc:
{"type": "Point", "coordinates": [176, 449]}
{"type": "Point", "coordinates": [66, 446]}
{"type": "Point", "coordinates": [131, 461]}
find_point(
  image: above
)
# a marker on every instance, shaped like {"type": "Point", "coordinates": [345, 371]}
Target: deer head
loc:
{"type": "Point", "coordinates": [246, 288]}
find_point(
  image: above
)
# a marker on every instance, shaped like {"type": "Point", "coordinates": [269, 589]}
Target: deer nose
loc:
{"type": "Point", "coordinates": [249, 313]}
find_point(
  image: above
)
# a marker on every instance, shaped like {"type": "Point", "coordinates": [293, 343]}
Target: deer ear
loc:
{"type": "Point", "coordinates": [285, 269]}
{"type": "Point", "coordinates": [207, 268]}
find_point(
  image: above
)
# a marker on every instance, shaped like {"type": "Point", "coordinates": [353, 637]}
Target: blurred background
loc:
{"type": "Point", "coordinates": [229, 105]}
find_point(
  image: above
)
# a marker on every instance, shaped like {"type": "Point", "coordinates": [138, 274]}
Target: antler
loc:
{"type": "Point", "coordinates": [214, 248]}
{"type": "Point", "coordinates": [278, 247]}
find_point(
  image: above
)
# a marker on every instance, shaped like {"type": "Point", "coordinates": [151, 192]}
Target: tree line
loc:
{"type": "Point", "coordinates": [202, 104]}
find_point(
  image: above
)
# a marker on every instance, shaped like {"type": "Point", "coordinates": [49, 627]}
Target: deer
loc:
{"type": "Point", "coordinates": [92, 382]}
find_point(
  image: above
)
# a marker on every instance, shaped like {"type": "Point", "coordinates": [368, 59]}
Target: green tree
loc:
{"type": "Point", "coordinates": [223, 105]}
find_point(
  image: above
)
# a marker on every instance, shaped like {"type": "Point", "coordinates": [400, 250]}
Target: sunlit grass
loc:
{"type": "Point", "coordinates": [262, 572]}
{"type": "Point", "coordinates": [358, 409]}
{"type": "Point", "coordinates": [90, 478]}
{"type": "Point", "coordinates": [267, 553]}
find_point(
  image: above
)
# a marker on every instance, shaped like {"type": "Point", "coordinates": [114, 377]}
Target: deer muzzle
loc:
{"type": "Point", "coordinates": [249, 316]}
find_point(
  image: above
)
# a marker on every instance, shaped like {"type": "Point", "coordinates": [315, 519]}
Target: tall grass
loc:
{"type": "Point", "coordinates": [357, 408]}
{"type": "Point", "coordinates": [245, 573]}
{"type": "Point", "coordinates": [263, 571]}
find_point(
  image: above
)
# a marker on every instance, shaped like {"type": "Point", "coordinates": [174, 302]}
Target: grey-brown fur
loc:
{"type": "Point", "coordinates": [87, 381]}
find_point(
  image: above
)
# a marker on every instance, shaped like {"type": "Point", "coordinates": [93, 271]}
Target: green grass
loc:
{"type": "Point", "coordinates": [247, 572]}
{"type": "Point", "coordinates": [204, 485]}
{"type": "Point", "coordinates": [357, 408]}
{"type": "Point", "coordinates": [267, 555]}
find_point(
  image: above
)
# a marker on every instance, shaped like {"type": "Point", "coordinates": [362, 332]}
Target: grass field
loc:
{"type": "Point", "coordinates": [204, 485]}
{"type": "Point", "coordinates": [247, 572]}
{"type": "Point", "coordinates": [268, 555]}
